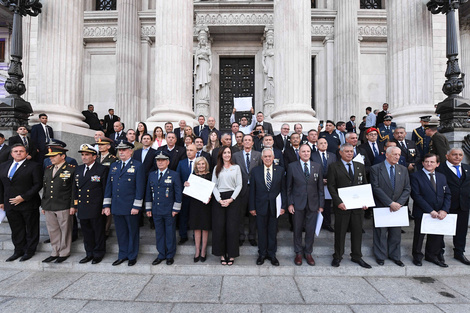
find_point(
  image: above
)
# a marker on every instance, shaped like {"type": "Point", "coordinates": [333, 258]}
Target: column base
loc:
{"type": "Point", "coordinates": [408, 116]}
{"type": "Point", "coordinates": [59, 114]}
{"type": "Point", "coordinates": [291, 114]}
{"type": "Point", "coordinates": [174, 115]}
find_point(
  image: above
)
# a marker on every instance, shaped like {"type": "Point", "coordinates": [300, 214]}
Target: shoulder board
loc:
{"type": "Point", "coordinates": [50, 166]}
{"type": "Point", "coordinates": [71, 165]}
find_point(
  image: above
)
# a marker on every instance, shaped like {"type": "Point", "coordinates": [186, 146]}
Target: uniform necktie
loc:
{"type": "Point", "coordinates": [325, 163]}
{"type": "Point", "coordinates": [123, 165]}
{"type": "Point", "coordinates": [86, 170]}
{"type": "Point", "coordinates": [376, 153]}
{"type": "Point", "coordinates": [433, 181]}
{"type": "Point", "coordinates": [13, 170]}
{"type": "Point", "coordinates": [268, 179]}
{"type": "Point", "coordinates": [297, 153]}
{"type": "Point", "coordinates": [392, 177]}
{"type": "Point", "coordinates": [457, 167]}
{"type": "Point", "coordinates": [248, 162]}
{"type": "Point", "coordinates": [306, 172]}
{"type": "Point", "coordinates": [351, 174]}
{"type": "Point", "coordinates": [160, 178]}
{"type": "Point", "coordinates": [54, 171]}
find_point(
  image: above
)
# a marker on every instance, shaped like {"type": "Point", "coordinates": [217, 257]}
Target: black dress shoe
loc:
{"type": "Point", "coordinates": [26, 257]}
{"type": "Point", "coordinates": [157, 261]}
{"type": "Point", "coordinates": [335, 262]}
{"type": "Point", "coordinates": [170, 261]}
{"type": "Point", "coordinates": [240, 242]}
{"type": "Point", "coordinates": [119, 261]}
{"type": "Point", "coordinates": [440, 257]}
{"type": "Point", "coordinates": [14, 257]}
{"type": "Point", "coordinates": [49, 259]}
{"type": "Point", "coordinates": [260, 260]}
{"type": "Point", "coordinates": [417, 263]}
{"type": "Point", "coordinates": [96, 260]}
{"type": "Point", "coordinates": [462, 258]}
{"type": "Point", "coordinates": [361, 263]}
{"type": "Point", "coordinates": [437, 262]}
{"type": "Point", "coordinates": [403, 232]}
{"type": "Point", "coordinates": [131, 262]}
{"type": "Point", "coordinates": [380, 262]}
{"type": "Point", "coordinates": [274, 261]}
{"type": "Point", "coordinates": [182, 241]}
{"type": "Point", "coordinates": [203, 258]}
{"type": "Point", "coordinates": [329, 228]}
{"type": "Point", "coordinates": [86, 259]}
{"type": "Point", "coordinates": [61, 259]}
{"type": "Point", "coordinates": [196, 259]}
{"type": "Point", "coordinates": [399, 263]}
{"type": "Point", "coordinates": [47, 241]}
{"type": "Point", "coordinates": [253, 242]}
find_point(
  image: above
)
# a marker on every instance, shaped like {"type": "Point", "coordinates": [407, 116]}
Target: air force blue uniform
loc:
{"type": "Point", "coordinates": [124, 192]}
{"type": "Point", "coordinates": [162, 198]}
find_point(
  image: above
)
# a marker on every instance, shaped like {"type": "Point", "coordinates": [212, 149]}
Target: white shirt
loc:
{"type": "Point", "coordinates": [303, 166]}
{"type": "Point", "coordinates": [453, 169]}
{"type": "Point", "coordinates": [17, 167]}
{"type": "Point", "coordinates": [144, 153]}
{"type": "Point", "coordinates": [89, 167]}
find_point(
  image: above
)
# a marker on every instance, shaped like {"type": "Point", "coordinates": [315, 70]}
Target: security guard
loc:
{"type": "Point", "coordinates": [386, 129]}
{"type": "Point", "coordinates": [419, 136]}
{"type": "Point", "coordinates": [123, 198]}
{"type": "Point", "coordinates": [57, 202]}
{"type": "Point", "coordinates": [163, 201]}
{"type": "Point", "coordinates": [88, 191]}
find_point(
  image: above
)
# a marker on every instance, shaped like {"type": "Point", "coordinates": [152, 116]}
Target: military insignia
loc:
{"type": "Point", "coordinates": [106, 164]}
{"type": "Point", "coordinates": [75, 202]}
{"type": "Point", "coordinates": [95, 179]}
{"type": "Point", "coordinates": [65, 174]}
{"type": "Point", "coordinates": [167, 192]}
{"type": "Point", "coordinates": [115, 168]}
{"type": "Point", "coordinates": [131, 170]}
{"type": "Point", "coordinates": [168, 180]}
{"type": "Point", "coordinates": [359, 177]}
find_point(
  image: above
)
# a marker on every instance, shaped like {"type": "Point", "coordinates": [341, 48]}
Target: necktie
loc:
{"type": "Point", "coordinates": [248, 162]}
{"type": "Point", "coordinates": [457, 167]}
{"type": "Point", "coordinates": [297, 153]}
{"type": "Point", "coordinates": [86, 171]}
{"type": "Point", "coordinates": [190, 166]}
{"type": "Point", "coordinates": [200, 129]}
{"type": "Point", "coordinates": [47, 134]}
{"type": "Point", "coordinates": [123, 165]}
{"type": "Point", "coordinates": [376, 153]}
{"type": "Point", "coordinates": [325, 163]}
{"type": "Point", "coordinates": [285, 141]}
{"type": "Point", "coordinates": [351, 174]}
{"type": "Point", "coordinates": [306, 172]}
{"type": "Point", "coordinates": [13, 170]}
{"type": "Point", "coordinates": [25, 142]}
{"type": "Point", "coordinates": [268, 179]}
{"type": "Point", "coordinates": [198, 154]}
{"type": "Point", "coordinates": [54, 171]}
{"type": "Point", "coordinates": [392, 177]}
{"type": "Point", "coordinates": [433, 182]}
{"type": "Point", "coordinates": [160, 178]}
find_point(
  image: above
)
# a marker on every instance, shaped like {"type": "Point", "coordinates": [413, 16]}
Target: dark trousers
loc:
{"type": "Point", "coordinates": [24, 227]}
{"type": "Point", "coordinates": [307, 218]}
{"type": "Point", "coordinates": [184, 217]}
{"type": "Point", "coordinates": [327, 213]}
{"type": "Point", "coordinates": [165, 233]}
{"type": "Point", "coordinates": [343, 221]}
{"type": "Point", "coordinates": [225, 223]}
{"type": "Point", "coordinates": [94, 240]}
{"type": "Point", "coordinates": [434, 243]}
{"type": "Point", "coordinates": [127, 232]}
{"type": "Point", "coordinates": [460, 238]}
{"type": "Point", "coordinates": [267, 233]}
{"type": "Point", "coordinates": [243, 205]}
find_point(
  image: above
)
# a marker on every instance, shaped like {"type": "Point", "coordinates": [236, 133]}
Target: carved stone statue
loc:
{"type": "Point", "coordinates": [268, 69]}
{"type": "Point", "coordinates": [202, 73]}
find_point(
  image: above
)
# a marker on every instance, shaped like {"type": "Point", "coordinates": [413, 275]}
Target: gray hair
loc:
{"type": "Point", "coordinates": [349, 135]}
{"type": "Point", "coordinates": [345, 145]}
{"type": "Point", "coordinates": [267, 149]}
{"type": "Point", "coordinates": [389, 150]}
{"type": "Point", "coordinates": [455, 148]}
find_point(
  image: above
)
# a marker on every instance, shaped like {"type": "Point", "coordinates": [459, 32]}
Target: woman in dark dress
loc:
{"type": "Point", "coordinates": [200, 213]}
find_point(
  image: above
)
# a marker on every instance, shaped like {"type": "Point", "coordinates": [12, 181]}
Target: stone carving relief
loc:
{"type": "Point", "coordinates": [268, 70]}
{"type": "Point", "coordinates": [100, 31]}
{"type": "Point", "coordinates": [234, 19]}
{"type": "Point", "coordinates": [202, 72]}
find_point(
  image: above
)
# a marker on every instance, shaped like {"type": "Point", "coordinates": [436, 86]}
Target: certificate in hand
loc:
{"type": "Point", "coordinates": [243, 104]}
{"type": "Point", "coordinates": [2, 216]}
{"type": "Point", "coordinates": [384, 218]}
{"type": "Point", "coordinates": [356, 197]}
{"type": "Point", "coordinates": [199, 188]}
{"type": "Point", "coordinates": [436, 226]}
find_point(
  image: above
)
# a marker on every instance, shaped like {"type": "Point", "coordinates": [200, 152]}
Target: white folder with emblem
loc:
{"type": "Point", "coordinates": [199, 188]}
{"type": "Point", "coordinates": [383, 217]}
{"type": "Point", "coordinates": [435, 226]}
{"type": "Point", "coordinates": [355, 197]}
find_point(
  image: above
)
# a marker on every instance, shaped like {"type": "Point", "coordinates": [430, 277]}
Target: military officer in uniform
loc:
{"type": "Point", "coordinates": [123, 198]}
{"type": "Point", "coordinates": [57, 202]}
{"type": "Point", "coordinates": [419, 136]}
{"type": "Point", "coordinates": [88, 191]}
{"type": "Point", "coordinates": [386, 129]}
{"type": "Point", "coordinates": [162, 202]}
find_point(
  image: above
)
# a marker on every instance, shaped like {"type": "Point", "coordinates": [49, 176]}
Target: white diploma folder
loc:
{"type": "Point", "coordinates": [436, 226]}
{"type": "Point", "coordinates": [243, 103]}
{"type": "Point", "coordinates": [319, 223]}
{"type": "Point", "coordinates": [384, 218]}
{"type": "Point", "coordinates": [278, 205]}
{"type": "Point", "coordinates": [199, 188]}
{"type": "Point", "coordinates": [359, 158]}
{"type": "Point", "coordinates": [2, 215]}
{"type": "Point", "coordinates": [327, 193]}
{"type": "Point", "coordinates": [355, 197]}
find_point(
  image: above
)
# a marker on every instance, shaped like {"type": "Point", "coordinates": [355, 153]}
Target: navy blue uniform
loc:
{"type": "Point", "coordinates": [422, 141]}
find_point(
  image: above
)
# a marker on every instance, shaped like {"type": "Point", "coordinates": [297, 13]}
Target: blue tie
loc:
{"type": "Point", "coordinates": [325, 163]}
{"type": "Point", "coordinates": [392, 177]}
{"type": "Point", "coordinates": [457, 167]}
{"type": "Point", "coordinates": [376, 153]}
{"type": "Point", "coordinates": [13, 170]}
{"type": "Point", "coordinates": [297, 153]}
{"type": "Point", "coordinates": [268, 179]}
{"type": "Point", "coordinates": [306, 172]}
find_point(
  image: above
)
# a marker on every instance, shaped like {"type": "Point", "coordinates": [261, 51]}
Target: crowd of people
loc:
{"type": "Point", "coordinates": [134, 175]}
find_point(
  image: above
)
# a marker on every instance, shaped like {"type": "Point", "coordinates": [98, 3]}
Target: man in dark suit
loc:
{"type": "Point", "coordinates": [247, 159]}
{"type": "Point", "coordinates": [91, 118]}
{"type": "Point", "coordinates": [268, 128]}
{"type": "Point", "coordinates": [324, 158]}
{"type": "Point", "coordinates": [268, 142]}
{"type": "Point", "coordinates": [41, 135]}
{"type": "Point", "coordinates": [90, 183]}
{"type": "Point", "coordinates": [282, 140]}
{"type": "Point", "coordinates": [312, 138]}
{"type": "Point", "coordinates": [299, 130]}
{"type": "Point", "coordinates": [22, 138]}
{"type": "Point", "coordinates": [109, 121]}
{"type": "Point", "coordinates": [292, 153]}
{"type": "Point", "coordinates": [179, 132]}
{"type": "Point", "coordinates": [458, 180]}
{"type": "Point", "coordinates": [408, 148]}
{"type": "Point", "coordinates": [258, 135]}
{"type": "Point", "coordinates": [391, 187]}
{"type": "Point", "coordinates": [176, 153]}
{"type": "Point", "coordinates": [381, 115]}
{"type": "Point", "coordinates": [4, 149]}
{"type": "Point", "coordinates": [199, 143]}
{"type": "Point", "coordinates": [119, 134]}
{"type": "Point", "coordinates": [146, 155]}
{"type": "Point", "coordinates": [351, 125]}
{"type": "Point", "coordinates": [267, 182]}
{"type": "Point", "coordinates": [210, 127]}
{"type": "Point", "coordinates": [431, 195]}
{"type": "Point", "coordinates": [305, 198]}
{"type": "Point", "coordinates": [197, 130]}
{"type": "Point", "coordinates": [20, 182]}
{"type": "Point", "coordinates": [345, 173]}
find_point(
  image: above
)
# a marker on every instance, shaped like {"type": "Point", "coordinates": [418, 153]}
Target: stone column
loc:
{"type": "Point", "coordinates": [60, 70]}
{"type": "Point", "coordinates": [410, 63]}
{"type": "Point", "coordinates": [128, 62]}
{"type": "Point", "coordinates": [174, 60]}
{"type": "Point", "coordinates": [346, 60]}
{"type": "Point", "coordinates": [465, 54]}
{"type": "Point", "coordinates": [292, 64]}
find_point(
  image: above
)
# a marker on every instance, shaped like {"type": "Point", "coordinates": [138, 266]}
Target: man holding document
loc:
{"type": "Point", "coordinates": [391, 188]}
{"type": "Point", "coordinates": [431, 195]}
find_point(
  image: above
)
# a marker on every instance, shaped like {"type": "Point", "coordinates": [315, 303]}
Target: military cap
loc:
{"type": "Point", "coordinates": [88, 148]}
{"type": "Point", "coordinates": [104, 141]}
{"type": "Point", "coordinates": [388, 118]}
{"type": "Point", "coordinates": [425, 118]}
{"type": "Point", "coordinates": [57, 142]}
{"type": "Point", "coordinates": [372, 129]}
{"type": "Point", "coordinates": [124, 145]}
{"type": "Point", "coordinates": [162, 156]}
{"type": "Point", "coordinates": [55, 150]}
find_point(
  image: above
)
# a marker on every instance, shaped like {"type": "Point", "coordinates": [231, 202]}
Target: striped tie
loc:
{"type": "Point", "coordinates": [268, 179]}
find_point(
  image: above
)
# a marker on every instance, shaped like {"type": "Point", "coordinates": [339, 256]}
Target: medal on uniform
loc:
{"type": "Point", "coordinates": [95, 179]}
{"type": "Point", "coordinates": [131, 170]}
{"type": "Point", "coordinates": [64, 176]}
{"type": "Point", "coordinates": [167, 192]}
{"type": "Point", "coordinates": [168, 180]}
{"type": "Point", "coordinates": [359, 177]}
{"type": "Point", "coordinates": [115, 168]}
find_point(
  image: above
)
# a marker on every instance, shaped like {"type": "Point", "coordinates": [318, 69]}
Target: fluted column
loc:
{"type": "Point", "coordinates": [465, 54]}
{"type": "Point", "coordinates": [60, 70]}
{"type": "Point", "coordinates": [173, 61]}
{"type": "Point", "coordinates": [410, 65]}
{"type": "Point", "coordinates": [128, 62]}
{"type": "Point", "coordinates": [292, 64]}
{"type": "Point", "coordinates": [346, 59]}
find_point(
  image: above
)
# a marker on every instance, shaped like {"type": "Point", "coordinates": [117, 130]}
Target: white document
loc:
{"type": "Point", "coordinates": [384, 218]}
{"type": "Point", "coordinates": [356, 197]}
{"type": "Point", "coordinates": [199, 188]}
{"type": "Point", "coordinates": [243, 103]}
{"type": "Point", "coordinates": [436, 226]}
{"type": "Point", "coordinates": [359, 158]}
{"type": "Point", "coordinates": [278, 205]}
{"type": "Point", "coordinates": [327, 193]}
{"type": "Point", "coordinates": [319, 223]}
{"type": "Point", "coordinates": [2, 215]}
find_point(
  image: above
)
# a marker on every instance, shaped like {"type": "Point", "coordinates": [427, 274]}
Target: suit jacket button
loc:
{"type": "Point", "coordinates": [79, 190]}
{"type": "Point", "coordinates": [52, 197]}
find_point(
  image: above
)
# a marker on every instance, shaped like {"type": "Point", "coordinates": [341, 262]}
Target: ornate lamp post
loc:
{"type": "Point", "coordinates": [453, 110]}
{"type": "Point", "coordinates": [14, 110]}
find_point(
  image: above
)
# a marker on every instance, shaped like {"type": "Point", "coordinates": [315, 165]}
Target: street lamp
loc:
{"type": "Point", "coordinates": [14, 110]}
{"type": "Point", "coordinates": [453, 110]}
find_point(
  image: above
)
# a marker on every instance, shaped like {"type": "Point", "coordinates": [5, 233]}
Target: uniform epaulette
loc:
{"type": "Point", "coordinates": [71, 165]}
{"type": "Point", "coordinates": [49, 166]}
